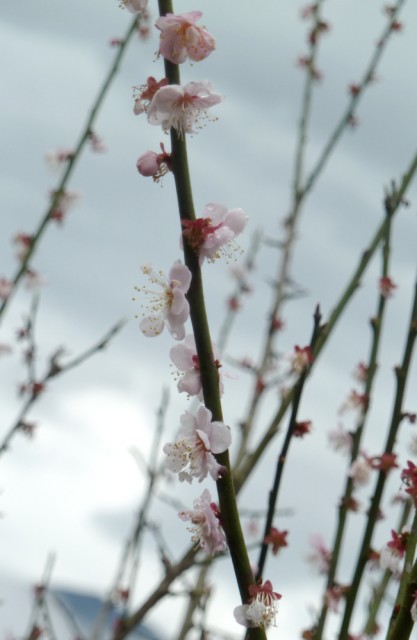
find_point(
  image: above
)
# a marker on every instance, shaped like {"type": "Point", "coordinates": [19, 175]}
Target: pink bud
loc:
{"type": "Point", "coordinates": [148, 163]}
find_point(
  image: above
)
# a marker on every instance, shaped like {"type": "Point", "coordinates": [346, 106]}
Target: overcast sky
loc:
{"type": "Point", "coordinates": [75, 487]}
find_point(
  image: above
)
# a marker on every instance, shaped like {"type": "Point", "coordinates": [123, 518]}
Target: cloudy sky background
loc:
{"type": "Point", "coordinates": [75, 488]}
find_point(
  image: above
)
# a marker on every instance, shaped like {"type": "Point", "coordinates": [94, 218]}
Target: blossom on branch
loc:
{"type": "Point", "coordinates": [340, 439]}
{"type": "Point", "coordinates": [168, 306]}
{"type": "Point", "coordinates": [5, 288]}
{"type": "Point", "coordinates": [181, 38]}
{"type": "Point", "coordinates": [277, 539]}
{"type": "Point", "coordinates": [182, 107]}
{"type": "Point", "coordinates": [143, 95]}
{"type": "Point", "coordinates": [392, 553]}
{"type": "Point", "coordinates": [154, 164]}
{"type": "Point", "coordinates": [191, 455]}
{"type": "Point", "coordinates": [360, 471]}
{"type": "Point", "coordinates": [302, 428]}
{"type": "Point", "coordinates": [207, 532]}
{"type": "Point", "coordinates": [302, 359]}
{"type": "Point", "coordinates": [386, 287]}
{"type": "Point", "coordinates": [213, 234]}
{"type": "Point", "coordinates": [56, 159]}
{"type": "Point", "coordinates": [185, 358]}
{"type": "Point", "coordinates": [262, 608]}
{"type": "Point", "coordinates": [321, 556]}
{"type": "Point", "coordinates": [23, 242]}
{"type": "Point", "coordinates": [64, 200]}
{"type": "Point", "coordinates": [134, 6]}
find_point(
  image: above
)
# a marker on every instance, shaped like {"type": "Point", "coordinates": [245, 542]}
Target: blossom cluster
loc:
{"type": "Point", "coordinates": [165, 300]}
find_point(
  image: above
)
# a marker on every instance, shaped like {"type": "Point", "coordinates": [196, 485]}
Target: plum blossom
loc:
{"type": "Point", "coordinates": [354, 401]}
{"type": "Point", "coordinates": [213, 234]}
{"type": "Point", "coordinates": [185, 358]}
{"type": "Point", "coordinates": [191, 455]}
{"type": "Point", "coordinates": [386, 287]}
{"type": "Point", "coordinates": [134, 6]}
{"type": "Point", "coordinates": [97, 144]}
{"type": "Point", "coordinates": [154, 164]}
{"type": "Point", "coordinates": [360, 471]}
{"type": "Point", "coordinates": [56, 159]}
{"type": "Point", "coordinates": [168, 306]}
{"type": "Point", "coordinates": [340, 439]}
{"type": "Point", "coordinates": [302, 428]}
{"type": "Point", "coordinates": [262, 608]}
{"type": "Point", "coordinates": [321, 556]}
{"type": "Point", "coordinates": [207, 532]}
{"type": "Point", "coordinates": [63, 201]}
{"type": "Point", "coordinates": [33, 279]}
{"type": "Point", "coordinates": [5, 288]}
{"type": "Point", "coordinates": [23, 242]}
{"type": "Point", "coordinates": [361, 373]}
{"type": "Point", "coordinates": [333, 595]}
{"type": "Point", "coordinates": [143, 95]}
{"type": "Point", "coordinates": [277, 539]}
{"type": "Point", "coordinates": [392, 553]}
{"type": "Point", "coordinates": [302, 359]}
{"type": "Point", "coordinates": [181, 38]}
{"type": "Point", "coordinates": [182, 107]}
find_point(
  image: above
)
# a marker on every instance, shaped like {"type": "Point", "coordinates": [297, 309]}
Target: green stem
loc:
{"type": "Point", "coordinates": [282, 458]}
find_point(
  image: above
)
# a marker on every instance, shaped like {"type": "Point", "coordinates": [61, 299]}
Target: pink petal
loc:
{"type": "Point", "coordinates": [236, 220]}
{"type": "Point", "coordinates": [219, 436]}
{"type": "Point", "coordinates": [152, 326]}
{"type": "Point", "coordinates": [181, 356]}
{"type": "Point", "coordinates": [190, 383]}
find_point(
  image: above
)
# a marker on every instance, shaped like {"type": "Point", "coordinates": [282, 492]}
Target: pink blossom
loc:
{"type": "Point", "coordinates": [360, 471]}
{"type": "Point", "coordinates": [63, 203]}
{"type": "Point", "coordinates": [320, 557]}
{"type": "Point", "coordinates": [154, 164]}
{"type": "Point", "coordinates": [169, 305]}
{"type": "Point", "coordinates": [33, 279]}
{"type": "Point", "coordinates": [143, 95]}
{"type": "Point", "coordinates": [361, 373]}
{"type": "Point", "coordinates": [301, 359]}
{"type": "Point", "coordinates": [262, 608]}
{"type": "Point", "coordinates": [355, 400]}
{"type": "Point", "coordinates": [191, 456]}
{"type": "Point", "coordinates": [5, 288]}
{"type": "Point", "coordinates": [277, 539]}
{"type": "Point", "coordinates": [55, 159]}
{"type": "Point", "coordinates": [185, 357]}
{"type": "Point", "coordinates": [386, 287]}
{"type": "Point", "coordinates": [97, 144]}
{"type": "Point", "coordinates": [392, 553]}
{"type": "Point", "coordinates": [333, 595]}
{"type": "Point", "coordinates": [182, 107]}
{"type": "Point", "coordinates": [340, 439]}
{"type": "Point", "coordinates": [23, 241]}
{"type": "Point", "coordinates": [213, 234]}
{"type": "Point", "coordinates": [207, 531]}
{"type": "Point", "coordinates": [181, 38]}
{"type": "Point", "coordinates": [134, 6]}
